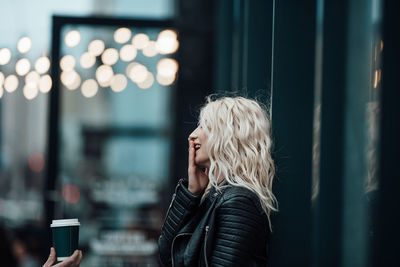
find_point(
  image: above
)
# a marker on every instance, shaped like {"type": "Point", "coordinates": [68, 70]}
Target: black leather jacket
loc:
{"type": "Point", "coordinates": [229, 228]}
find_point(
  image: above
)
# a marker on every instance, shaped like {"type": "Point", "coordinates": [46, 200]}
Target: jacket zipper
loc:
{"type": "Point", "coordinates": [172, 202]}
{"type": "Point", "coordinates": [172, 246]}
{"type": "Point", "coordinates": [169, 208]}
{"type": "Point", "coordinates": [205, 245]}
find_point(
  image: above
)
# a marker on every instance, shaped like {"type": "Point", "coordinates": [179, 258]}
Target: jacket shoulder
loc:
{"type": "Point", "coordinates": [238, 194]}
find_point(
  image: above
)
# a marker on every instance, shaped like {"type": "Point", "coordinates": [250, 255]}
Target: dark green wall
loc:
{"type": "Point", "coordinates": [243, 47]}
{"type": "Point", "coordinates": [335, 124]}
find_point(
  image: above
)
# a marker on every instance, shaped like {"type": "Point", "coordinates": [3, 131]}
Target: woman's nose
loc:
{"type": "Point", "coordinates": [193, 135]}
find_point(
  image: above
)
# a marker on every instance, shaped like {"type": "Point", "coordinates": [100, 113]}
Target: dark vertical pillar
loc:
{"type": "Point", "coordinates": [341, 232]}
{"type": "Point", "coordinates": [258, 49]}
{"type": "Point", "coordinates": [387, 214]}
{"type": "Point", "coordinates": [328, 204]}
{"type": "Point", "coordinates": [244, 47]}
{"type": "Point", "coordinates": [359, 56]}
{"type": "Point", "coordinates": [223, 45]}
{"type": "Point", "coordinates": [53, 113]}
{"type": "Point", "coordinates": [238, 44]}
{"type": "Point", "coordinates": [292, 124]}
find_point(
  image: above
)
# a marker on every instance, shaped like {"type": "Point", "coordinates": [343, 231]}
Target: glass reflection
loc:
{"type": "Point", "coordinates": [115, 143]}
{"type": "Point", "coordinates": [359, 182]}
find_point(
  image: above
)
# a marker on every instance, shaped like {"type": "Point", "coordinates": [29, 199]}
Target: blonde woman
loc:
{"type": "Point", "coordinates": [220, 216]}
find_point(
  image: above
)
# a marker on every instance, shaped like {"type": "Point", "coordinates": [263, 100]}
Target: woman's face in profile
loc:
{"type": "Point", "coordinates": [199, 137]}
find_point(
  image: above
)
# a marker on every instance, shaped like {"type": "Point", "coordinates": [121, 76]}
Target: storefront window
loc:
{"type": "Point", "coordinates": [116, 86]}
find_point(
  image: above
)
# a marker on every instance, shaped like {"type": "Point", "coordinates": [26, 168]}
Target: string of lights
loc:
{"type": "Point", "coordinates": [34, 78]}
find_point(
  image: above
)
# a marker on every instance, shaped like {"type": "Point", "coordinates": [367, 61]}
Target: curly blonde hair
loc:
{"type": "Point", "coordinates": [239, 147]}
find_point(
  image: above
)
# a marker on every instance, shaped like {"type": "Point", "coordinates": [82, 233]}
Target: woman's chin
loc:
{"type": "Point", "coordinates": [202, 164]}
{"type": "Point", "coordinates": [198, 164]}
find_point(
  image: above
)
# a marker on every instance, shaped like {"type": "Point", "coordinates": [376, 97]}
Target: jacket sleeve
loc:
{"type": "Point", "coordinates": [240, 233]}
{"type": "Point", "coordinates": [182, 207]}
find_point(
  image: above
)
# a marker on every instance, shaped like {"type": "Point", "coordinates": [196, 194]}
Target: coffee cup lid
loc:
{"type": "Point", "coordinates": [65, 222]}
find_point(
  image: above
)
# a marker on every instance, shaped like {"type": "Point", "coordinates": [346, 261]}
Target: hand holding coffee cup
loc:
{"type": "Point", "coordinates": [65, 242]}
{"type": "Point", "coordinates": [73, 261]}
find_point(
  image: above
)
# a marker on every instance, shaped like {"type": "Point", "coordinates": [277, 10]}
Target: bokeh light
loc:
{"type": "Point", "coordinates": [110, 56]}
{"type": "Point", "coordinates": [127, 53]}
{"type": "Point", "coordinates": [32, 79]}
{"type": "Point", "coordinates": [30, 92]}
{"type": "Point", "coordinates": [118, 83]}
{"type": "Point", "coordinates": [96, 47]}
{"type": "Point", "coordinates": [167, 67]}
{"type": "Point", "coordinates": [138, 73]}
{"type": "Point", "coordinates": [24, 44]}
{"type": "Point", "coordinates": [36, 161]}
{"type": "Point", "coordinates": [150, 50]}
{"type": "Point", "coordinates": [72, 38]}
{"type": "Point", "coordinates": [5, 56]}
{"type": "Point", "coordinates": [1, 78]}
{"type": "Point", "coordinates": [11, 83]}
{"type": "Point", "coordinates": [70, 79]}
{"type": "Point", "coordinates": [104, 73]}
{"type": "Point", "coordinates": [22, 66]}
{"type": "Point", "coordinates": [168, 34]}
{"type": "Point", "coordinates": [71, 193]}
{"type": "Point", "coordinates": [122, 35]}
{"type": "Point", "coordinates": [76, 82]}
{"type": "Point", "coordinates": [42, 65]}
{"type": "Point", "coordinates": [167, 42]}
{"type": "Point", "coordinates": [45, 83]}
{"type": "Point", "coordinates": [1, 84]}
{"type": "Point", "coordinates": [146, 84]}
{"type": "Point", "coordinates": [87, 60]}
{"type": "Point", "coordinates": [67, 63]}
{"type": "Point", "coordinates": [376, 79]}
{"type": "Point", "coordinates": [89, 88]}
{"type": "Point", "coordinates": [129, 67]}
{"type": "Point", "coordinates": [140, 40]}
{"type": "Point", "coordinates": [165, 80]}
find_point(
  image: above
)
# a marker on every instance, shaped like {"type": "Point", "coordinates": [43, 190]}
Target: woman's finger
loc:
{"type": "Point", "coordinates": [79, 258]}
{"type": "Point", "coordinates": [74, 257]}
{"type": "Point", "coordinates": [73, 261]}
{"type": "Point", "coordinates": [191, 153]}
{"type": "Point", "coordinates": [51, 259]}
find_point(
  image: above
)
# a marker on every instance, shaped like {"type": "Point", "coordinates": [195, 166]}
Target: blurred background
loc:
{"type": "Point", "coordinates": [97, 98]}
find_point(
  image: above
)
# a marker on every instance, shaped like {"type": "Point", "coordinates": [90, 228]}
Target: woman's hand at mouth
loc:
{"type": "Point", "coordinates": [198, 179]}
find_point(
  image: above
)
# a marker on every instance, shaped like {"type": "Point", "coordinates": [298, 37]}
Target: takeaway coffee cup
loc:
{"type": "Point", "coordinates": [65, 237]}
